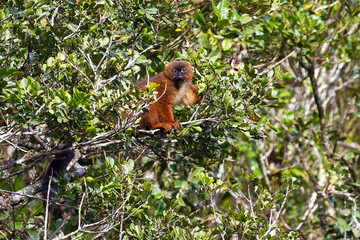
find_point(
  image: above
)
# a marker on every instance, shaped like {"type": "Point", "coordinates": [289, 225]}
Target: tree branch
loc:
{"type": "Point", "coordinates": [29, 191]}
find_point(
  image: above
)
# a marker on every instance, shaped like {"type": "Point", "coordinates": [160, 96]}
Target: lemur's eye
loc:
{"type": "Point", "coordinates": [184, 70]}
{"type": "Point", "coordinates": [174, 70]}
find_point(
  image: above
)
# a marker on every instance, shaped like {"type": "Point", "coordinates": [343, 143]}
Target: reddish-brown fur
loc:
{"type": "Point", "coordinates": [169, 94]}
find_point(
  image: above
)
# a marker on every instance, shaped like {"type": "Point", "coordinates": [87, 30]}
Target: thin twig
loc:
{"type": "Point", "coordinates": [47, 206]}
{"type": "Point", "coordinates": [54, 14]}
{"type": "Point", "coordinates": [278, 213]}
{"type": "Point", "coordinates": [131, 62]}
{"type": "Point", "coordinates": [87, 78]}
{"type": "Point", "coordinates": [77, 29]}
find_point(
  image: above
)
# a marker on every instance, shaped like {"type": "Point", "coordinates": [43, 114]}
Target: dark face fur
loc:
{"type": "Point", "coordinates": [179, 71]}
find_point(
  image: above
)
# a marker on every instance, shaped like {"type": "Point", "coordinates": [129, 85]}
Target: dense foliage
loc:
{"type": "Point", "coordinates": [272, 151]}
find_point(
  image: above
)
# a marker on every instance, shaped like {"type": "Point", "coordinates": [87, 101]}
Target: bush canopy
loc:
{"type": "Point", "coordinates": [271, 152]}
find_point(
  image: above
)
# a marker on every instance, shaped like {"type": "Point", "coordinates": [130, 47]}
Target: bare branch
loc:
{"type": "Point", "coordinates": [29, 191]}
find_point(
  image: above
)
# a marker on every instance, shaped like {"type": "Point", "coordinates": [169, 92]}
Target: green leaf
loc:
{"type": "Point", "coordinates": [221, 10]}
{"type": "Point", "coordinates": [235, 16]}
{"type": "Point", "coordinates": [64, 95]}
{"type": "Point", "coordinates": [129, 166]}
{"type": "Point", "coordinates": [158, 195]}
{"type": "Point", "coordinates": [72, 27]}
{"type": "Point", "coordinates": [30, 32]}
{"type": "Point", "coordinates": [178, 183]}
{"type": "Point", "coordinates": [19, 184]}
{"type": "Point", "coordinates": [230, 32]}
{"type": "Point", "coordinates": [245, 19]}
{"type": "Point", "coordinates": [342, 225]}
{"type": "Point", "coordinates": [226, 44]}
{"type": "Point", "coordinates": [228, 99]}
{"type": "Point", "coordinates": [215, 9]}
{"type": "Point", "coordinates": [24, 83]}
{"type": "Point", "coordinates": [272, 127]}
{"type": "Point", "coordinates": [203, 40]}
{"type": "Point", "coordinates": [50, 62]}
{"type": "Point", "coordinates": [17, 73]}
{"type": "Point", "coordinates": [181, 202]}
{"type": "Point", "coordinates": [142, 59]}
{"type": "Point", "coordinates": [277, 85]}
{"type": "Point", "coordinates": [214, 55]}
{"type": "Point", "coordinates": [200, 18]}
{"type": "Point", "coordinates": [344, 212]}
{"type": "Point", "coordinates": [94, 27]}
{"type": "Point", "coordinates": [110, 161]}
{"type": "Point", "coordinates": [34, 235]}
{"type": "Point", "coordinates": [197, 129]}
{"type": "Point", "coordinates": [151, 10]}
{"type": "Point", "coordinates": [109, 186]}
{"type": "Point", "coordinates": [7, 71]}
{"type": "Point", "coordinates": [147, 186]}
